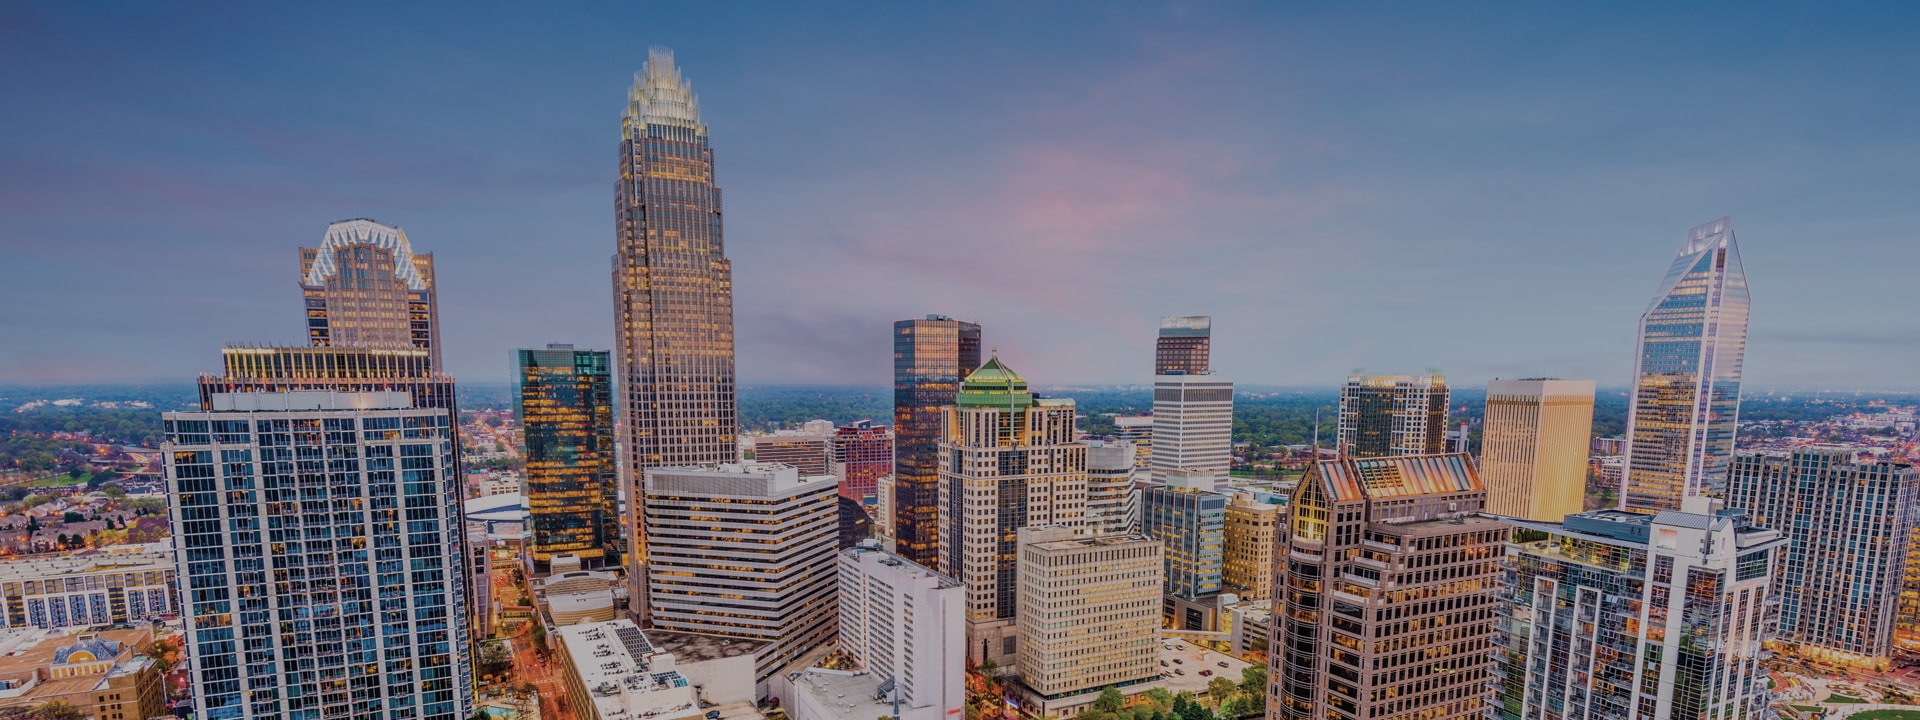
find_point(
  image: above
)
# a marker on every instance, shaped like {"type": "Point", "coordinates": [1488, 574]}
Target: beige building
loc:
{"type": "Point", "coordinates": [102, 675]}
{"type": "Point", "coordinates": [1008, 460]}
{"type": "Point", "coordinates": [1252, 527]}
{"type": "Point", "coordinates": [807, 451]}
{"type": "Point", "coordinates": [613, 672]}
{"type": "Point", "coordinates": [579, 596]}
{"type": "Point", "coordinates": [1533, 450]}
{"type": "Point", "coordinates": [365, 287]}
{"type": "Point", "coordinates": [1089, 610]}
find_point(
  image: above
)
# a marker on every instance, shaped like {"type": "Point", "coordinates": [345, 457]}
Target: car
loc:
{"type": "Point", "coordinates": [1163, 663]}
{"type": "Point", "coordinates": [1177, 661]}
{"type": "Point", "coordinates": [1178, 671]}
{"type": "Point", "coordinates": [1206, 673]}
{"type": "Point", "coordinates": [1222, 663]}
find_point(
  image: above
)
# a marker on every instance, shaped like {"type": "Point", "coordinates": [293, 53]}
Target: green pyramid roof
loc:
{"type": "Point", "coordinates": [995, 385]}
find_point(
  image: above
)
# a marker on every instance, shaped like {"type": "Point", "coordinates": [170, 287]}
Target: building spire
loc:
{"type": "Point", "coordinates": [661, 97]}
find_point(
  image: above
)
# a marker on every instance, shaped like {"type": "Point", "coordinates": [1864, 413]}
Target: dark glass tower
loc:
{"type": "Point", "coordinates": [930, 356]}
{"type": "Point", "coordinates": [563, 399]}
{"type": "Point", "coordinates": [672, 292]}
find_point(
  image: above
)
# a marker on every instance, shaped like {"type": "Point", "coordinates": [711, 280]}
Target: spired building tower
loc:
{"type": "Point", "coordinates": [1685, 402]}
{"type": "Point", "coordinates": [930, 356]}
{"type": "Point", "coordinates": [672, 291]}
{"type": "Point", "coordinates": [366, 288]}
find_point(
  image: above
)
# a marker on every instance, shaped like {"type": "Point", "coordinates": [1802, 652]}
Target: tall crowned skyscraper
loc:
{"type": "Point", "coordinates": [1192, 407]}
{"type": "Point", "coordinates": [672, 290]}
{"type": "Point", "coordinates": [1685, 403]}
{"type": "Point", "coordinates": [365, 287]}
{"type": "Point", "coordinates": [930, 356]}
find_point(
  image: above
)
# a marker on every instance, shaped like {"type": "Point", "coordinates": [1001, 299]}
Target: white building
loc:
{"type": "Point", "coordinates": [318, 536]}
{"type": "Point", "coordinates": [743, 550]}
{"type": "Point", "coordinates": [53, 591]}
{"type": "Point", "coordinates": [1109, 482]}
{"type": "Point", "coordinates": [903, 622]}
{"type": "Point", "coordinates": [1192, 424]}
{"type": "Point", "coordinates": [613, 672]}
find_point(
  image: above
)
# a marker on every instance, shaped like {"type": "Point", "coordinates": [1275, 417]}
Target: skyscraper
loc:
{"type": "Point", "coordinates": [1385, 592]}
{"type": "Point", "coordinates": [1253, 527]}
{"type": "Point", "coordinates": [930, 356]}
{"type": "Point", "coordinates": [860, 455]}
{"type": "Point", "coordinates": [563, 399]}
{"type": "Point", "coordinates": [1184, 346]}
{"type": "Point", "coordinates": [1622, 616]}
{"type": "Point", "coordinates": [1533, 447]}
{"type": "Point", "coordinates": [1850, 525]}
{"type": "Point", "coordinates": [1383, 415]}
{"type": "Point", "coordinates": [365, 287]}
{"type": "Point", "coordinates": [1008, 460]}
{"type": "Point", "coordinates": [321, 557]}
{"type": "Point", "coordinates": [1685, 401]}
{"type": "Point", "coordinates": [1109, 484]}
{"type": "Point", "coordinates": [1190, 519]}
{"type": "Point", "coordinates": [337, 369]}
{"type": "Point", "coordinates": [672, 291]}
{"type": "Point", "coordinates": [744, 550]}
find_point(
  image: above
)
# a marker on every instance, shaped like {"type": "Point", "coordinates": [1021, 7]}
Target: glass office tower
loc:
{"type": "Point", "coordinates": [1685, 402]}
{"type": "Point", "coordinates": [563, 399]}
{"type": "Point", "coordinates": [930, 356]}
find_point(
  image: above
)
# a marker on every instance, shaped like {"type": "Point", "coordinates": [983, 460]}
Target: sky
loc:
{"type": "Point", "coordinates": [1483, 189]}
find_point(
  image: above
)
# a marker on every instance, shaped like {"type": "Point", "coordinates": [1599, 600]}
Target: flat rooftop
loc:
{"type": "Point", "coordinates": [698, 647]}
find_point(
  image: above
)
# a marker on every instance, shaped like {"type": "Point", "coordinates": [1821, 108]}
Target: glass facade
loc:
{"type": "Point", "coordinates": [1685, 401]}
{"type": "Point", "coordinates": [365, 287]}
{"type": "Point", "coordinates": [1193, 525]}
{"type": "Point", "coordinates": [1384, 415]}
{"type": "Point", "coordinates": [563, 399]}
{"type": "Point", "coordinates": [930, 356]}
{"type": "Point", "coordinates": [321, 563]}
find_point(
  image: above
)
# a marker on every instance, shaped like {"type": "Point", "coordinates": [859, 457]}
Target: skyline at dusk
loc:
{"type": "Point", "coordinates": [1338, 188]}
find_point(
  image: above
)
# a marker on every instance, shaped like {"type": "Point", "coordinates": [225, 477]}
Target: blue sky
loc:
{"type": "Point", "coordinates": [1484, 189]}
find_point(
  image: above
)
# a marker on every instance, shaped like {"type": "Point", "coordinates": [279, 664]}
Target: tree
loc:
{"type": "Point", "coordinates": [57, 710]}
{"type": "Point", "coordinates": [115, 491]}
{"type": "Point", "coordinates": [1221, 689]}
{"type": "Point", "coordinates": [75, 472]}
{"type": "Point", "coordinates": [161, 652]}
{"type": "Point", "coordinates": [495, 659]}
{"type": "Point", "coordinates": [72, 517]}
{"type": "Point", "coordinates": [1253, 681]}
{"type": "Point", "coordinates": [1160, 699]}
{"type": "Point", "coordinates": [1110, 700]}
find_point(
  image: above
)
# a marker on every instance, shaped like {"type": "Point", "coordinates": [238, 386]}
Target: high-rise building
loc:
{"type": "Point", "coordinates": [336, 369]}
{"type": "Point", "coordinates": [1385, 591]}
{"type": "Point", "coordinates": [855, 525]}
{"type": "Point", "coordinates": [1184, 346]}
{"type": "Point", "coordinates": [1137, 429]}
{"type": "Point", "coordinates": [1850, 526]}
{"type": "Point", "coordinates": [1190, 519]}
{"type": "Point", "coordinates": [930, 357]}
{"type": "Point", "coordinates": [563, 400]}
{"type": "Point", "coordinates": [1109, 482]}
{"type": "Point", "coordinates": [672, 293]}
{"type": "Point", "coordinates": [1087, 619]}
{"type": "Point", "coordinates": [1533, 447]}
{"type": "Point", "coordinates": [1906, 630]}
{"type": "Point", "coordinates": [1008, 460]}
{"type": "Point", "coordinates": [861, 454]}
{"type": "Point", "coordinates": [1619, 616]}
{"type": "Point", "coordinates": [1252, 530]}
{"type": "Point", "coordinates": [365, 287]}
{"type": "Point", "coordinates": [318, 536]}
{"type": "Point", "coordinates": [743, 550]}
{"type": "Point", "coordinates": [805, 451]}
{"type": "Point", "coordinates": [1685, 401]}
{"type": "Point", "coordinates": [1192, 424]}
{"type": "Point", "coordinates": [1383, 415]}
{"type": "Point", "coordinates": [902, 622]}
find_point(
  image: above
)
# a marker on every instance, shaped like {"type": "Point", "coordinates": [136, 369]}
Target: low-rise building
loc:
{"type": "Point", "coordinates": [86, 589]}
{"type": "Point", "coordinates": [101, 675]}
{"type": "Point", "coordinates": [613, 672]}
{"type": "Point", "coordinates": [905, 624]}
{"type": "Point", "coordinates": [580, 596]}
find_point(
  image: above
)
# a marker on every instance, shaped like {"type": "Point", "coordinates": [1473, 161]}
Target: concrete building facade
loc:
{"type": "Point", "coordinates": [1533, 447]}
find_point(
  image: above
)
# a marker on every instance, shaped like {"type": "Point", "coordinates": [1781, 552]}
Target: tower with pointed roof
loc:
{"type": "Point", "coordinates": [1685, 401]}
{"type": "Point", "coordinates": [1008, 460]}
{"type": "Point", "coordinates": [672, 290]}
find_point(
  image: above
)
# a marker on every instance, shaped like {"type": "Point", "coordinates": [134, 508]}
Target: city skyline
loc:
{"type": "Point", "coordinates": [1563, 179]}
